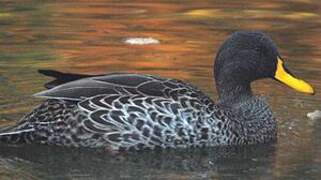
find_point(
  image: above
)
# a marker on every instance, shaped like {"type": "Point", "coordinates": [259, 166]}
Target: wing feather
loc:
{"type": "Point", "coordinates": [108, 84]}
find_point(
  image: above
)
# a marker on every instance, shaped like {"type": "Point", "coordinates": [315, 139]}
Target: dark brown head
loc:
{"type": "Point", "coordinates": [248, 56]}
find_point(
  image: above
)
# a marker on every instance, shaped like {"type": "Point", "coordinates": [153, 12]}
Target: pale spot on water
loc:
{"type": "Point", "coordinates": [315, 115]}
{"type": "Point", "coordinates": [141, 41]}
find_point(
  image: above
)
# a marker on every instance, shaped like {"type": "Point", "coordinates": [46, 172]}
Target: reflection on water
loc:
{"type": "Point", "coordinates": [57, 163]}
{"type": "Point", "coordinates": [88, 37]}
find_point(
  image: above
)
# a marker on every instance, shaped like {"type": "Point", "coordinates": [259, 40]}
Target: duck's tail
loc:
{"type": "Point", "coordinates": [21, 132]}
{"type": "Point", "coordinates": [60, 77]}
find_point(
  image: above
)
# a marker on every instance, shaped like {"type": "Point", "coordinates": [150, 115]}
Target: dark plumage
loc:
{"type": "Point", "coordinates": [132, 111]}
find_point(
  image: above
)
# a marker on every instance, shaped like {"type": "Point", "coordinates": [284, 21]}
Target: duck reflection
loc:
{"type": "Point", "coordinates": [37, 161]}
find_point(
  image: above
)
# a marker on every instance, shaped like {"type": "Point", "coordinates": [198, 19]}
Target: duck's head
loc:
{"type": "Point", "coordinates": [248, 56]}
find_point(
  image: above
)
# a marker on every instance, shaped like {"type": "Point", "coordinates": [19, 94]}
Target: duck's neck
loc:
{"type": "Point", "coordinates": [231, 93]}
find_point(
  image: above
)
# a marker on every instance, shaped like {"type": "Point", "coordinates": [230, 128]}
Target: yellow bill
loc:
{"type": "Point", "coordinates": [283, 76]}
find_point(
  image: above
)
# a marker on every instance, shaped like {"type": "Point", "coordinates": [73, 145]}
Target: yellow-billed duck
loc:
{"type": "Point", "coordinates": [132, 111]}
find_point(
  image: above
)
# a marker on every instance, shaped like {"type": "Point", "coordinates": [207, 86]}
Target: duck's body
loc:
{"type": "Point", "coordinates": [131, 111]}
{"type": "Point", "coordinates": [140, 112]}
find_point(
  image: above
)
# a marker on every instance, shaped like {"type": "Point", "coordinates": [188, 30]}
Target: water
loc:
{"type": "Point", "coordinates": [89, 36]}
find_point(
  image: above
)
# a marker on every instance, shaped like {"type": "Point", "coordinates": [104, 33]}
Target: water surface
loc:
{"type": "Point", "coordinates": [88, 37]}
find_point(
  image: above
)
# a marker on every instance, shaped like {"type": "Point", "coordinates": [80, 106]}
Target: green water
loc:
{"type": "Point", "coordinates": [88, 37]}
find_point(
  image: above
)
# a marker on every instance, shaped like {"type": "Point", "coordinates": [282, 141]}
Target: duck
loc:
{"type": "Point", "coordinates": [126, 111]}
